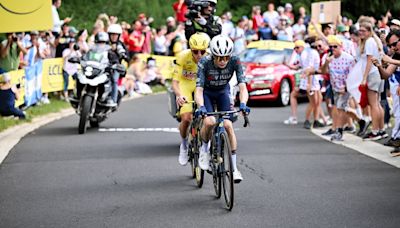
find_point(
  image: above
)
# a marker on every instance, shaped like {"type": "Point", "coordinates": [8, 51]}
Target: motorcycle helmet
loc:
{"type": "Point", "coordinates": [114, 29]}
{"type": "Point", "coordinates": [221, 45]}
{"type": "Point", "coordinates": [199, 41]}
{"type": "Point", "coordinates": [101, 37]}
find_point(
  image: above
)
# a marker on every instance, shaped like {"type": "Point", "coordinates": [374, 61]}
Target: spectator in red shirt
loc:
{"type": "Point", "coordinates": [136, 39]}
{"type": "Point", "coordinates": [180, 9]}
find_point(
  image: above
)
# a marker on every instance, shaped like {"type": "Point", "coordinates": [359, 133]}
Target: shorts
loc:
{"type": "Point", "coordinates": [341, 101]}
{"type": "Point", "coordinates": [187, 90]}
{"type": "Point", "coordinates": [302, 91]}
{"type": "Point", "coordinates": [221, 98]}
{"type": "Point", "coordinates": [375, 83]}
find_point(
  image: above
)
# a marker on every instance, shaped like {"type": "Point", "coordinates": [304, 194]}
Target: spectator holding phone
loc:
{"type": "Point", "coordinates": [9, 52]}
{"type": "Point", "coordinates": [8, 94]}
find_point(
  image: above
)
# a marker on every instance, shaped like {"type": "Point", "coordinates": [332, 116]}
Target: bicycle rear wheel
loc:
{"type": "Point", "coordinates": [215, 170]}
{"type": "Point", "coordinates": [226, 168]}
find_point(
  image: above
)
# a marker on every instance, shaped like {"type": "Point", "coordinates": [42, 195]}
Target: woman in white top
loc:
{"type": "Point", "coordinates": [371, 47]}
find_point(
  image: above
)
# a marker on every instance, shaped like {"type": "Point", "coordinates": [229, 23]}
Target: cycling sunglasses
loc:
{"type": "Point", "coordinates": [196, 52]}
{"type": "Point", "coordinates": [333, 46]}
{"type": "Point", "coordinates": [222, 58]}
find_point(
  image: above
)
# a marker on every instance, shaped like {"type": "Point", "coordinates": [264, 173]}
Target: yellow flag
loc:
{"type": "Point", "coordinates": [26, 15]}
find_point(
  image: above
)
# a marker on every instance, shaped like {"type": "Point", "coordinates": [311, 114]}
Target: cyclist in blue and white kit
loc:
{"type": "Point", "coordinates": [213, 76]}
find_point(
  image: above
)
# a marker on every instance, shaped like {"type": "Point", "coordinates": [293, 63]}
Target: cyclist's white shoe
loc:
{"type": "Point", "coordinates": [204, 159]}
{"type": "Point", "coordinates": [183, 155]}
{"type": "Point", "coordinates": [237, 176]}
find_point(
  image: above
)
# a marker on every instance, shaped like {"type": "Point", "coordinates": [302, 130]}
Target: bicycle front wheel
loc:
{"type": "Point", "coordinates": [226, 168]}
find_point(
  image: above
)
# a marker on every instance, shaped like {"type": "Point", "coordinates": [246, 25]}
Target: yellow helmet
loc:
{"type": "Point", "coordinates": [199, 41]}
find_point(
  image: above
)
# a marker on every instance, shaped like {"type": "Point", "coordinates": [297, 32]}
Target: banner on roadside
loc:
{"type": "Point", "coordinates": [18, 78]}
{"type": "Point", "coordinates": [164, 63]}
{"type": "Point", "coordinates": [20, 16]}
{"type": "Point", "coordinates": [52, 80]}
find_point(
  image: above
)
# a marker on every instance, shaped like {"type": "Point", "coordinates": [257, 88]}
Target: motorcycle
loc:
{"type": "Point", "coordinates": [93, 80]}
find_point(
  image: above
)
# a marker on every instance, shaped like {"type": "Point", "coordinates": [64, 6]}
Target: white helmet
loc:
{"type": "Point", "coordinates": [115, 29]}
{"type": "Point", "coordinates": [213, 1]}
{"type": "Point", "coordinates": [221, 45]}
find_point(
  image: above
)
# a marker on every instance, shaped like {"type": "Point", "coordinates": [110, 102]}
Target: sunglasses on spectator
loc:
{"type": "Point", "coordinates": [333, 46]}
{"type": "Point", "coordinates": [319, 46]}
{"type": "Point", "coordinates": [222, 58]}
{"type": "Point", "coordinates": [295, 48]}
{"type": "Point", "coordinates": [196, 52]}
{"type": "Point", "coordinates": [394, 43]}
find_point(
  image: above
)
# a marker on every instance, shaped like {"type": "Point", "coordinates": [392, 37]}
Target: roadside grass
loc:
{"type": "Point", "coordinates": [55, 105]}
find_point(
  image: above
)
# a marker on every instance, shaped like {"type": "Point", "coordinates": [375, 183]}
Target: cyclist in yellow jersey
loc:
{"type": "Point", "coordinates": [184, 85]}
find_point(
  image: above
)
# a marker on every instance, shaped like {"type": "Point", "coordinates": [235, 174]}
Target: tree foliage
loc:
{"type": "Point", "coordinates": [84, 13]}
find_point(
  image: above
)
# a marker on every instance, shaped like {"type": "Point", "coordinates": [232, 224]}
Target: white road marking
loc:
{"type": "Point", "coordinates": [171, 130]}
{"type": "Point", "coordinates": [369, 148]}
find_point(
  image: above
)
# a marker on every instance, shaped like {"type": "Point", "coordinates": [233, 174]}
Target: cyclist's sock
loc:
{"type": "Point", "coordinates": [205, 146]}
{"type": "Point", "coordinates": [234, 161]}
{"type": "Point", "coordinates": [185, 142]}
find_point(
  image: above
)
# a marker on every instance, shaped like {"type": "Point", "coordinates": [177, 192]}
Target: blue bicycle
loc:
{"type": "Point", "coordinates": [221, 157]}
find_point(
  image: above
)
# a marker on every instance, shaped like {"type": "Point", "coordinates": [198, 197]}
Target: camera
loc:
{"type": "Point", "coordinates": [194, 8]}
{"type": "Point", "coordinates": [15, 39]}
{"type": "Point", "coordinates": [330, 51]}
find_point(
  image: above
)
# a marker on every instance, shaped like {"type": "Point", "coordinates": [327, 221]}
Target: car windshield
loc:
{"type": "Point", "coordinates": [265, 56]}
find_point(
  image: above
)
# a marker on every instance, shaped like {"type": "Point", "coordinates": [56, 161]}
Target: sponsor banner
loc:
{"type": "Point", "coordinates": [25, 15]}
{"type": "Point", "coordinates": [164, 63]}
{"type": "Point", "coordinates": [33, 77]}
{"type": "Point", "coordinates": [18, 78]}
{"type": "Point", "coordinates": [52, 79]}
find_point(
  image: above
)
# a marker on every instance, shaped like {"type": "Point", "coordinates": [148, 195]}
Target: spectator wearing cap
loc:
{"type": "Point", "coordinates": [394, 24]}
{"type": "Point", "coordinates": [289, 13]}
{"type": "Point", "coordinates": [271, 15]}
{"type": "Point", "coordinates": [8, 95]}
{"type": "Point", "coordinates": [265, 31]}
{"type": "Point", "coordinates": [283, 31]}
{"type": "Point", "coordinates": [347, 45]}
{"type": "Point", "coordinates": [299, 29]}
{"type": "Point", "coordinates": [32, 55]}
{"type": "Point", "coordinates": [180, 9]}
{"type": "Point", "coordinates": [171, 25]}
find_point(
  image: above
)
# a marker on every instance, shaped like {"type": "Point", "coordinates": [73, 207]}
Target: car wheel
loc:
{"type": "Point", "coordinates": [284, 93]}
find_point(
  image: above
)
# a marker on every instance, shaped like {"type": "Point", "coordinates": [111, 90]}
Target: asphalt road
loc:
{"type": "Point", "coordinates": [131, 178]}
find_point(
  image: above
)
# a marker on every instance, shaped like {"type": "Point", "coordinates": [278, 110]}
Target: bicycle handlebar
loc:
{"type": "Point", "coordinates": [224, 113]}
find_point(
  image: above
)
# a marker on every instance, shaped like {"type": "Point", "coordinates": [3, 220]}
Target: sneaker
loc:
{"type": "Point", "coordinates": [290, 121]}
{"type": "Point", "coordinates": [337, 137]}
{"type": "Point", "coordinates": [383, 134]}
{"type": "Point", "coordinates": [395, 152]}
{"type": "Point", "coordinates": [307, 124]}
{"type": "Point", "coordinates": [363, 127]}
{"type": "Point", "coordinates": [329, 132]}
{"type": "Point", "coordinates": [45, 100]}
{"type": "Point", "coordinates": [350, 129]}
{"type": "Point", "coordinates": [237, 177]}
{"type": "Point", "coordinates": [371, 137]}
{"type": "Point", "coordinates": [393, 142]}
{"type": "Point", "coordinates": [183, 155]}
{"type": "Point", "coordinates": [204, 159]}
{"type": "Point", "coordinates": [318, 124]}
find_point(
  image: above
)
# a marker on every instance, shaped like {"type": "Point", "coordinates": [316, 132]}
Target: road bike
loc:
{"type": "Point", "coordinates": [221, 157]}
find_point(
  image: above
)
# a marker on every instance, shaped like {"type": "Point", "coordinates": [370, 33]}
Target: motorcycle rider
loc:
{"type": "Point", "coordinates": [184, 85]}
{"type": "Point", "coordinates": [117, 53]}
{"type": "Point", "coordinates": [203, 20]}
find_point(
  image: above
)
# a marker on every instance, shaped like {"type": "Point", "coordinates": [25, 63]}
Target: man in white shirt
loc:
{"type": "Point", "coordinates": [56, 18]}
{"type": "Point", "coordinates": [271, 15]}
